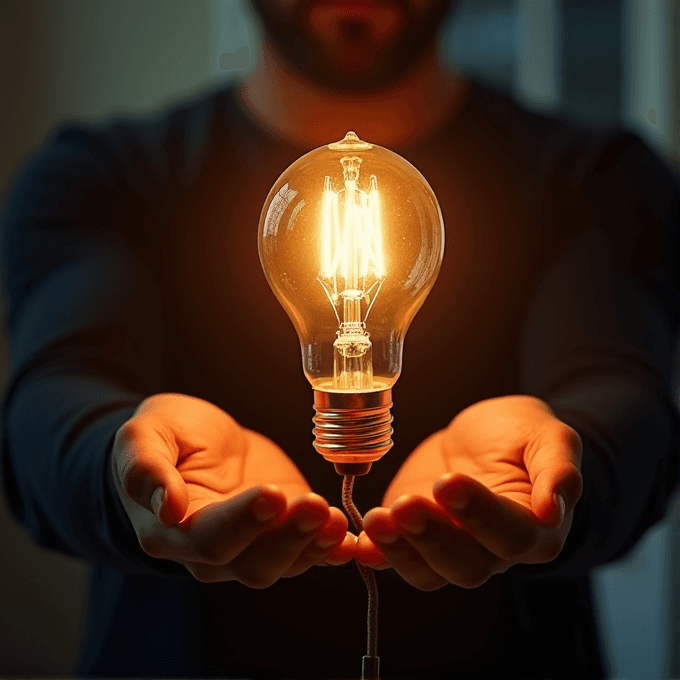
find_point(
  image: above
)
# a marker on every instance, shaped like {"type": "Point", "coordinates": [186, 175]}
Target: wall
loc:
{"type": "Point", "coordinates": [76, 59]}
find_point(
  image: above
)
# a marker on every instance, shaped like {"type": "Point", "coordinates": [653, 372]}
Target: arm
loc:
{"type": "Point", "coordinates": [599, 346]}
{"type": "Point", "coordinates": [84, 325]}
{"type": "Point", "coordinates": [598, 343]}
{"type": "Point", "coordinates": [86, 329]}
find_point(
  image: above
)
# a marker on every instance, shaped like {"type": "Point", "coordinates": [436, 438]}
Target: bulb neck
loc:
{"type": "Point", "coordinates": [353, 429]}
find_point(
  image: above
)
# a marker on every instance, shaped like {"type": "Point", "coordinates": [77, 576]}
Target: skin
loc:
{"type": "Point", "coordinates": [496, 488]}
{"type": "Point", "coordinates": [235, 506]}
{"type": "Point", "coordinates": [394, 104]}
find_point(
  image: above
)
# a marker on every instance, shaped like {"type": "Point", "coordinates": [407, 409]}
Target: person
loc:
{"type": "Point", "coordinates": [157, 425]}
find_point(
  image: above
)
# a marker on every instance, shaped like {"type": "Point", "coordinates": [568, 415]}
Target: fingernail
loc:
{"type": "Point", "coordinates": [263, 509]}
{"type": "Point", "coordinates": [442, 481]}
{"type": "Point", "coordinates": [415, 524]}
{"type": "Point", "coordinates": [157, 500]}
{"type": "Point", "coordinates": [561, 504]}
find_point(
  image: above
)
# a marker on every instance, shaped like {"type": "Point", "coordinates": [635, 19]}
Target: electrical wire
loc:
{"type": "Point", "coordinates": [371, 662]}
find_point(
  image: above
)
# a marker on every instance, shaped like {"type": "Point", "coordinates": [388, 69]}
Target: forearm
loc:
{"type": "Point", "coordinates": [84, 321]}
{"type": "Point", "coordinates": [629, 429]}
{"type": "Point", "coordinates": [599, 345]}
{"type": "Point", "coordinates": [58, 430]}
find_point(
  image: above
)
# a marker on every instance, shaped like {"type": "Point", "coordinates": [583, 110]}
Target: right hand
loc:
{"type": "Point", "coordinates": [224, 501]}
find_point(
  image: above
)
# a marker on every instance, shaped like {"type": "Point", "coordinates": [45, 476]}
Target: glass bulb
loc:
{"type": "Point", "coordinates": [351, 240]}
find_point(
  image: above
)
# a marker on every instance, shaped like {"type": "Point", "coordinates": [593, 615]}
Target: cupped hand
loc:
{"type": "Point", "coordinates": [494, 489]}
{"type": "Point", "coordinates": [224, 501]}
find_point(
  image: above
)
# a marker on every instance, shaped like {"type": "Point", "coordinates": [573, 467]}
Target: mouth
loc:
{"type": "Point", "coordinates": [355, 20]}
{"type": "Point", "coordinates": [355, 8]}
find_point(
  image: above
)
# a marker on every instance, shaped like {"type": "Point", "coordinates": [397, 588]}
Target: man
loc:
{"type": "Point", "coordinates": [157, 423]}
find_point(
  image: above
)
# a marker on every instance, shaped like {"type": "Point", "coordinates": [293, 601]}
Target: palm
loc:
{"type": "Point", "coordinates": [499, 468]}
{"type": "Point", "coordinates": [489, 441]}
{"type": "Point", "coordinates": [232, 505]}
{"type": "Point", "coordinates": [214, 474]}
{"type": "Point", "coordinates": [217, 458]}
{"type": "Point", "coordinates": [496, 488]}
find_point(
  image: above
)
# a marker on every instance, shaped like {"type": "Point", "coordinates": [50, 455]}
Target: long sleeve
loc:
{"type": "Point", "coordinates": [84, 320]}
{"type": "Point", "coordinates": [600, 339]}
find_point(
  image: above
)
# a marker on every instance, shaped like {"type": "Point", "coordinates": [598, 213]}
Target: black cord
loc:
{"type": "Point", "coordinates": [371, 662]}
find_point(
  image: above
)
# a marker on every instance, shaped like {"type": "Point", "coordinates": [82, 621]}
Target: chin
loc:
{"type": "Point", "coordinates": [355, 55]}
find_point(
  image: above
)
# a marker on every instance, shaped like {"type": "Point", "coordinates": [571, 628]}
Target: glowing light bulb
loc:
{"type": "Point", "coordinates": [351, 240]}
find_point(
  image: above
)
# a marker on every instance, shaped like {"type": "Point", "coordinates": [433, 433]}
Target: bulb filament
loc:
{"type": "Point", "coordinates": [352, 270]}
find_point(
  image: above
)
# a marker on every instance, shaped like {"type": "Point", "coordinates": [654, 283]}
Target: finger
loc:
{"type": "Point", "coordinates": [332, 534]}
{"type": "Point", "coordinates": [342, 552]}
{"type": "Point", "coordinates": [268, 557]}
{"type": "Point", "coordinates": [370, 556]}
{"type": "Point", "coordinates": [399, 553]}
{"type": "Point", "coordinates": [200, 539]}
{"type": "Point", "coordinates": [553, 461]}
{"type": "Point", "coordinates": [378, 528]}
{"type": "Point", "coordinates": [505, 528]}
{"type": "Point", "coordinates": [221, 531]}
{"type": "Point", "coordinates": [366, 552]}
{"type": "Point", "coordinates": [144, 468]}
{"type": "Point", "coordinates": [449, 551]}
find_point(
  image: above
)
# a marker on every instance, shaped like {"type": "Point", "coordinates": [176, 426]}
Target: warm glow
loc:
{"type": "Point", "coordinates": [351, 240]}
{"type": "Point", "coordinates": [351, 234]}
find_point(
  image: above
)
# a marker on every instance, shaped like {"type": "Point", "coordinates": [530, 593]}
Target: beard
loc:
{"type": "Point", "coordinates": [353, 57]}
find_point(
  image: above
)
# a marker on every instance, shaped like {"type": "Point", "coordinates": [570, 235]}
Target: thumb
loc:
{"type": "Point", "coordinates": [144, 465]}
{"type": "Point", "coordinates": [554, 468]}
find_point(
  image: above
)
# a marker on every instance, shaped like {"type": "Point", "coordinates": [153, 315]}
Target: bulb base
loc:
{"type": "Point", "coordinates": [353, 429]}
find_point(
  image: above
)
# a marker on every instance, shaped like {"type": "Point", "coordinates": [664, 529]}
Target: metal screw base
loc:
{"type": "Point", "coordinates": [353, 429]}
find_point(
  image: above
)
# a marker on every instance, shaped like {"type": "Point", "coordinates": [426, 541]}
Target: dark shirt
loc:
{"type": "Point", "coordinates": [131, 268]}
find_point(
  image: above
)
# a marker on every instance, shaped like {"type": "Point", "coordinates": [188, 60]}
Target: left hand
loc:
{"type": "Point", "coordinates": [496, 488]}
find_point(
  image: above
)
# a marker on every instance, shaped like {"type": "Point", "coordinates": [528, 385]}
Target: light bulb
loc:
{"type": "Point", "coordinates": [351, 240]}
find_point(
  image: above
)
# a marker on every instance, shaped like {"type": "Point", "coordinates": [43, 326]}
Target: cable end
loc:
{"type": "Point", "coordinates": [370, 668]}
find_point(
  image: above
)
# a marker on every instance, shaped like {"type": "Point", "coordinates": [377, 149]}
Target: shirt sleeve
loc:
{"type": "Point", "coordinates": [600, 339]}
{"type": "Point", "coordinates": [84, 324]}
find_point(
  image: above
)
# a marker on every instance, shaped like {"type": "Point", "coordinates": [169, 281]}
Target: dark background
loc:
{"type": "Point", "coordinates": [603, 62]}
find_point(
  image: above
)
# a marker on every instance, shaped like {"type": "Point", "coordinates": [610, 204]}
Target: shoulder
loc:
{"type": "Point", "coordinates": [553, 148]}
{"type": "Point", "coordinates": [142, 152]}
{"type": "Point", "coordinates": [103, 179]}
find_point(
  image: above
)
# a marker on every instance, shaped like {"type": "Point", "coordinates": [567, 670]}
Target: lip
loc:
{"type": "Point", "coordinates": [356, 5]}
{"type": "Point", "coordinates": [385, 15]}
{"type": "Point", "coordinates": [356, 8]}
